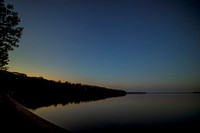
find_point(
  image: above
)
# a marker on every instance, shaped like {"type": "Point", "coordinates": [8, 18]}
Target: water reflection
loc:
{"type": "Point", "coordinates": [48, 98]}
{"type": "Point", "coordinates": [129, 113]}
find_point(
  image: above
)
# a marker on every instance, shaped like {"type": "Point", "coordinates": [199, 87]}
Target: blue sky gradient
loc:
{"type": "Point", "coordinates": [125, 44]}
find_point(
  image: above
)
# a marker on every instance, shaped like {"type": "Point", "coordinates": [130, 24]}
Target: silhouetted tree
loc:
{"type": "Point", "coordinates": [10, 32]}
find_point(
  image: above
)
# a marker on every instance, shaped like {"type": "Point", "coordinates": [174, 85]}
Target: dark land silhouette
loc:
{"type": "Point", "coordinates": [35, 92]}
{"type": "Point", "coordinates": [15, 118]}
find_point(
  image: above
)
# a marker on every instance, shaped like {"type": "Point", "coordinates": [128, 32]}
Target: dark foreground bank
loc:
{"type": "Point", "coordinates": [15, 118]}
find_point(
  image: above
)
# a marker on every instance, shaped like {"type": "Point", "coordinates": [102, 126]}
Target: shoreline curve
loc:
{"type": "Point", "coordinates": [15, 117]}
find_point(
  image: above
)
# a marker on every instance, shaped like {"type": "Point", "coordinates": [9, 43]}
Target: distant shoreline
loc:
{"type": "Point", "coordinates": [195, 92]}
{"type": "Point", "coordinates": [136, 93]}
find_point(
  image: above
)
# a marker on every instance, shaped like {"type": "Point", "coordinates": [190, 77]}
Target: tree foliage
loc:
{"type": "Point", "coordinates": [10, 32]}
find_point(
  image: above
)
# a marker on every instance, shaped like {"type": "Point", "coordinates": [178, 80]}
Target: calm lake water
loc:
{"type": "Point", "coordinates": [127, 112]}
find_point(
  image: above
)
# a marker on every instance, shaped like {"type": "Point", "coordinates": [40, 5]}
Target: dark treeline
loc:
{"type": "Point", "coordinates": [34, 92]}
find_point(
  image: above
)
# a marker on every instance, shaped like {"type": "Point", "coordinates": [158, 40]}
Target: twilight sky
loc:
{"type": "Point", "coordinates": [133, 45]}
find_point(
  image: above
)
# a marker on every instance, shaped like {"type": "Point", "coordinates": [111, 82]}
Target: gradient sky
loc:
{"type": "Point", "coordinates": [123, 44]}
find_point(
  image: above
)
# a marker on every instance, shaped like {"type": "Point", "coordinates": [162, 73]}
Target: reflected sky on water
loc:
{"type": "Point", "coordinates": [129, 111]}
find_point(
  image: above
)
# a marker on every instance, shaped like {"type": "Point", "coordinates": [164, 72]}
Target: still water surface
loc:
{"type": "Point", "coordinates": [130, 111]}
